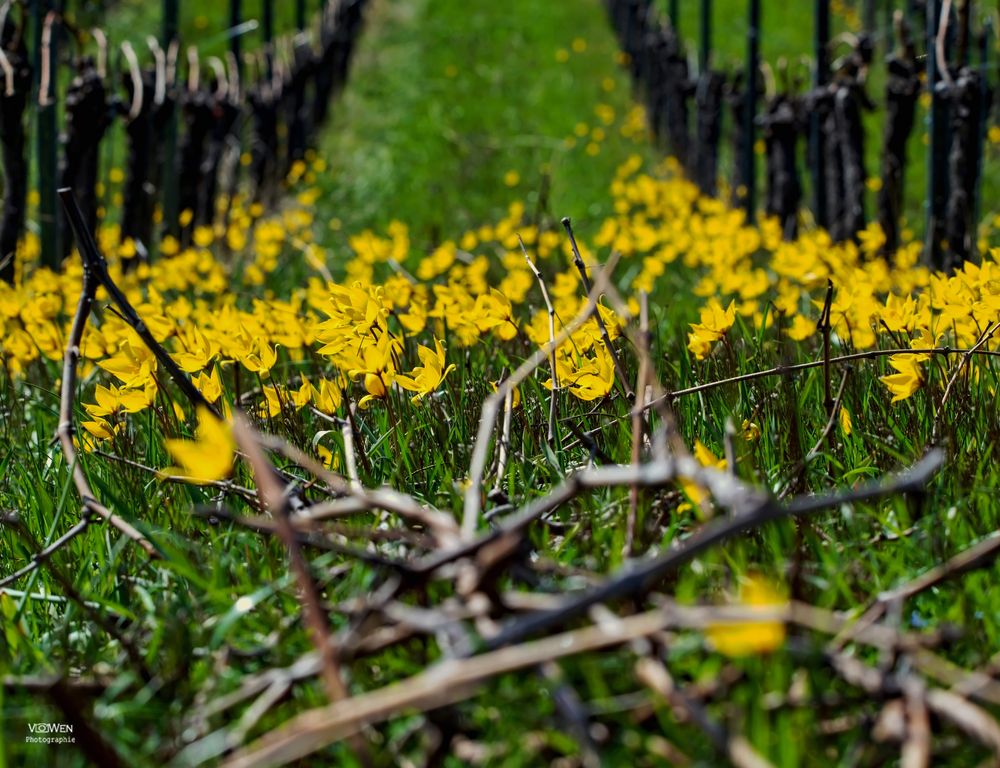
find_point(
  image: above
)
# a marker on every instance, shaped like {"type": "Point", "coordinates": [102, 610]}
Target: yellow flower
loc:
{"type": "Point", "coordinates": [271, 406]}
{"type": "Point", "coordinates": [872, 238]}
{"type": "Point", "coordinates": [801, 328]}
{"type": "Point", "coordinates": [111, 400]}
{"type": "Point", "coordinates": [438, 262]}
{"type": "Point", "coordinates": [203, 236]}
{"type": "Point", "coordinates": [715, 321]}
{"type": "Point", "coordinates": [328, 397]}
{"type": "Point", "coordinates": [207, 458]}
{"type": "Point", "coordinates": [493, 311]}
{"type": "Point", "coordinates": [751, 432]}
{"type": "Point", "coordinates": [377, 365]}
{"type": "Point", "coordinates": [209, 385]}
{"type": "Point", "coordinates": [750, 637]}
{"type": "Point", "coordinates": [846, 424]}
{"type": "Point", "coordinates": [585, 377]}
{"type": "Point", "coordinates": [414, 320]}
{"type": "Point", "coordinates": [304, 395]}
{"type": "Point", "coordinates": [515, 399]}
{"type": "Point", "coordinates": [134, 364]}
{"type": "Point", "coordinates": [428, 377]}
{"type": "Point", "coordinates": [198, 350]}
{"type": "Point", "coordinates": [908, 378]}
{"type": "Point", "coordinates": [374, 386]}
{"type": "Point", "coordinates": [101, 429]}
{"type": "Point", "coordinates": [699, 496]}
{"type": "Point", "coordinates": [260, 358]}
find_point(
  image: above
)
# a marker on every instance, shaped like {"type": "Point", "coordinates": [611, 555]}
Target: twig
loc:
{"type": "Point", "coordinates": [454, 680]}
{"type": "Point", "coordinates": [473, 501]}
{"type": "Point", "coordinates": [825, 327]}
{"type": "Point", "coordinates": [350, 460]}
{"type": "Point", "coordinates": [783, 370]}
{"type": "Point", "coordinates": [916, 751]}
{"type": "Point", "coordinates": [223, 485]}
{"type": "Point", "coordinates": [43, 555]}
{"type": "Point", "coordinates": [582, 269]}
{"type": "Point", "coordinates": [636, 579]}
{"type": "Point", "coordinates": [441, 525]}
{"type": "Point", "coordinates": [978, 555]}
{"type": "Point", "coordinates": [96, 266]}
{"type": "Point", "coordinates": [274, 496]}
{"type": "Point", "coordinates": [958, 710]}
{"type": "Point", "coordinates": [663, 471]}
{"type": "Point", "coordinates": [68, 394]}
{"type": "Point", "coordinates": [983, 340]}
{"type": "Point", "coordinates": [552, 341]}
{"type": "Point", "coordinates": [652, 673]}
{"type": "Point", "coordinates": [352, 418]}
{"type": "Point", "coordinates": [503, 448]}
{"type": "Point", "coordinates": [266, 525]}
{"type": "Point", "coordinates": [445, 683]}
{"type": "Point", "coordinates": [831, 422]}
{"type": "Point", "coordinates": [638, 421]}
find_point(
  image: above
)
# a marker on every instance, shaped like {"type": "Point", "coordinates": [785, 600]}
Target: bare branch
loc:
{"type": "Point", "coordinates": [473, 501]}
{"type": "Point", "coordinates": [639, 578]}
{"type": "Point", "coordinates": [274, 496]}
{"type": "Point", "coordinates": [552, 340]}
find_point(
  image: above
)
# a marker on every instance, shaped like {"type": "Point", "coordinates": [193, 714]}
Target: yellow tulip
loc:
{"type": "Point", "coordinates": [207, 458]}
{"type": "Point", "coordinates": [748, 638]}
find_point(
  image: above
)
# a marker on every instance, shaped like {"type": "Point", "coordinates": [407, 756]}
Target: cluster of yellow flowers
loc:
{"type": "Point", "coordinates": [389, 321]}
{"type": "Point", "coordinates": [753, 274]}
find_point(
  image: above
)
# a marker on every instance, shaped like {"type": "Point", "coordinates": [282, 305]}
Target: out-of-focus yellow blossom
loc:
{"type": "Point", "coordinates": [750, 638]}
{"type": "Point", "coordinates": [327, 397]}
{"type": "Point", "coordinates": [273, 400]}
{"type": "Point", "coordinates": [846, 423]}
{"type": "Point", "coordinates": [259, 358]}
{"type": "Point", "coordinates": [101, 429]}
{"type": "Point", "coordinates": [198, 351]}
{"type": "Point", "coordinates": [695, 493]}
{"type": "Point", "coordinates": [438, 262]}
{"type": "Point", "coordinates": [376, 365]}
{"type": "Point", "coordinates": [515, 399]}
{"type": "Point", "coordinates": [207, 458]}
{"type": "Point", "coordinates": [493, 311]}
{"type": "Point", "coordinates": [751, 432]}
{"type": "Point", "coordinates": [801, 328]}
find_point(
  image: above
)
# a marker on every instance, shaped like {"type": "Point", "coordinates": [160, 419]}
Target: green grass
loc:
{"type": "Point", "coordinates": [441, 167]}
{"type": "Point", "coordinates": [434, 121]}
{"type": "Point", "coordinates": [416, 142]}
